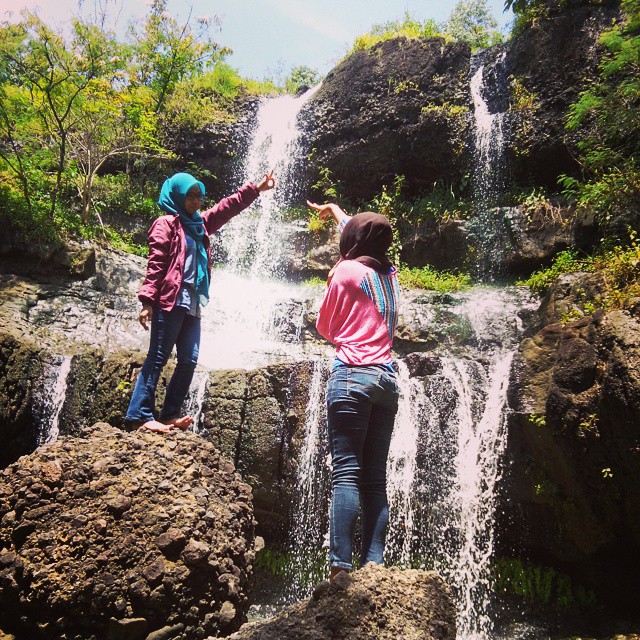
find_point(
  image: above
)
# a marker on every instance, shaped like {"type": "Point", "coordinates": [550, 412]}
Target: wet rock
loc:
{"type": "Point", "coordinates": [79, 562]}
{"type": "Point", "coordinates": [574, 444]}
{"type": "Point", "coordinates": [552, 59]}
{"type": "Point", "coordinates": [21, 363]}
{"type": "Point", "coordinates": [374, 602]}
{"type": "Point", "coordinates": [399, 108]}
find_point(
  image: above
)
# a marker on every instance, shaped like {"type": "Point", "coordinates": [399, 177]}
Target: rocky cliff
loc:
{"type": "Point", "coordinates": [574, 439]}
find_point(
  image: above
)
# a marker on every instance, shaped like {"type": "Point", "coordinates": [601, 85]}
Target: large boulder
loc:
{"type": "Point", "coordinates": [399, 108]}
{"type": "Point", "coordinates": [117, 535]}
{"type": "Point", "coordinates": [373, 603]}
{"type": "Point", "coordinates": [574, 445]}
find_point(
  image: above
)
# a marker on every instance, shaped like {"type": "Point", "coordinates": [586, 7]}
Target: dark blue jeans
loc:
{"type": "Point", "coordinates": [168, 329]}
{"type": "Point", "coordinates": [362, 402]}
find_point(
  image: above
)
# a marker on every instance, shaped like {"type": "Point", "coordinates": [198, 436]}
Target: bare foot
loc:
{"type": "Point", "coordinates": [156, 427]}
{"type": "Point", "coordinates": [182, 423]}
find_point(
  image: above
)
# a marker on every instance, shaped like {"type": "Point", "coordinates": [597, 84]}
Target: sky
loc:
{"type": "Point", "coordinates": [269, 37]}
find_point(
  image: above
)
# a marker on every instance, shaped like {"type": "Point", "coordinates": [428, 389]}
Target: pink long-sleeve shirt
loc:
{"type": "Point", "coordinates": [359, 313]}
{"type": "Point", "coordinates": [168, 247]}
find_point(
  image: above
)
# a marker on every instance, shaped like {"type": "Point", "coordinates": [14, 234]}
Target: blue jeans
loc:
{"type": "Point", "coordinates": [168, 329]}
{"type": "Point", "coordinates": [362, 402]}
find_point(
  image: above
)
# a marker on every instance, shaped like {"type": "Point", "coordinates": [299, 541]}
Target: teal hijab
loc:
{"type": "Point", "coordinates": [172, 196]}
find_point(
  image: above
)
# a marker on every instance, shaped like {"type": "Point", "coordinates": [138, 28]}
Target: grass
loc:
{"type": "Point", "coordinates": [433, 280]}
{"type": "Point", "coordinates": [617, 265]}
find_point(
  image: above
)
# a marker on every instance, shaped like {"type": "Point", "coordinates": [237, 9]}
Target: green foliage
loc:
{"type": "Point", "coordinates": [72, 101]}
{"type": "Point", "coordinates": [327, 188]}
{"type": "Point", "coordinates": [531, 12]}
{"type": "Point", "coordinates": [607, 115]}
{"type": "Point", "coordinates": [538, 585]}
{"type": "Point", "coordinates": [281, 563]}
{"type": "Point", "coordinates": [117, 196]}
{"type": "Point", "coordinates": [473, 22]}
{"type": "Point", "coordinates": [407, 27]}
{"type": "Point", "coordinates": [119, 240]}
{"type": "Point", "coordinates": [617, 265]}
{"type": "Point", "coordinates": [301, 76]}
{"type": "Point", "coordinates": [433, 280]}
{"type": "Point", "coordinates": [30, 218]}
{"type": "Point", "coordinates": [538, 420]}
{"type": "Point", "coordinates": [470, 21]}
{"type": "Point", "coordinates": [567, 261]}
{"type": "Point", "coordinates": [314, 281]}
{"type": "Point", "coordinates": [166, 52]}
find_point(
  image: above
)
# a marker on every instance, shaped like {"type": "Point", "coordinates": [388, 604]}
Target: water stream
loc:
{"type": "Point", "coordinates": [255, 316]}
{"type": "Point", "coordinates": [489, 229]}
{"type": "Point", "coordinates": [444, 463]}
{"type": "Point", "coordinates": [49, 398]}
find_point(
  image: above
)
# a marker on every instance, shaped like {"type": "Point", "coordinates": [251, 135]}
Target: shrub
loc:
{"type": "Point", "coordinates": [432, 279]}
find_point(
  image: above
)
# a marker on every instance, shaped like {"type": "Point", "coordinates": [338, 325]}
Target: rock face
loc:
{"type": "Point", "coordinates": [20, 365]}
{"type": "Point", "coordinates": [256, 418]}
{"type": "Point", "coordinates": [119, 535]}
{"type": "Point", "coordinates": [551, 62]}
{"type": "Point", "coordinates": [373, 603]}
{"type": "Point", "coordinates": [399, 108]}
{"type": "Point", "coordinates": [575, 444]}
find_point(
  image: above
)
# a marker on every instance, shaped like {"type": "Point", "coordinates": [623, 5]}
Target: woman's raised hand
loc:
{"type": "Point", "coordinates": [268, 182]}
{"type": "Point", "coordinates": [328, 210]}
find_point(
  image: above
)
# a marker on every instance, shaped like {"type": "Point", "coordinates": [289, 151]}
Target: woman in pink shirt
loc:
{"type": "Point", "coordinates": [359, 314]}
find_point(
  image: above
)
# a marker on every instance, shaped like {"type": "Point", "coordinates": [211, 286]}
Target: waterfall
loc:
{"type": "Point", "coordinates": [254, 316]}
{"type": "Point", "coordinates": [444, 460]}
{"type": "Point", "coordinates": [195, 399]}
{"type": "Point", "coordinates": [488, 139]}
{"type": "Point", "coordinates": [489, 229]}
{"type": "Point", "coordinates": [258, 244]}
{"type": "Point", "coordinates": [309, 535]}
{"type": "Point", "coordinates": [49, 398]}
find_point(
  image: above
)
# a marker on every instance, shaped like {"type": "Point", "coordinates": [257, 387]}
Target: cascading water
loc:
{"type": "Point", "coordinates": [444, 461]}
{"type": "Point", "coordinates": [49, 399]}
{"type": "Point", "coordinates": [253, 316]}
{"type": "Point", "coordinates": [195, 399]}
{"type": "Point", "coordinates": [258, 244]}
{"type": "Point", "coordinates": [310, 518]}
{"type": "Point", "coordinates": [489, 140]}
{"type": "Point", "coordinates": [442, 486]}
{"type": "Point", "coordinates": [489, 229]}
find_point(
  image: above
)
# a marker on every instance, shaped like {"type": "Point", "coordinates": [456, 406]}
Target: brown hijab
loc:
{"type": "Point", "coordinates": [367, 238]}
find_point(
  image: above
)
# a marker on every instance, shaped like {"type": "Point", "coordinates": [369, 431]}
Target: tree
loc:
{"type": "Point", "coordinates": [109, 123]}
{"type": "Point", "coordinates": [472, 21]}
{"type": "Point", "coordinates": [166, 52]}
{"type": "Point", "coordinates": [301, 76]}
{"type": "Point", "coordinates": [45, 79]}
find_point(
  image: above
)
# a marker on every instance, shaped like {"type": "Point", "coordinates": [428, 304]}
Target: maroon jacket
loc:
{"type": "Point", "coordinates": [168, 247]}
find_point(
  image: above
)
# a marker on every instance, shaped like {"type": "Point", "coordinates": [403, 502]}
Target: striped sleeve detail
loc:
{"type": "Point", "coordinates": [342, 224]}
{"type": "Point", "coordinates": [385, 293]}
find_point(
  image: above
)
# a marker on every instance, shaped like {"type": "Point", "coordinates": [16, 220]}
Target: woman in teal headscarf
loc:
{"type": "Point", "coordinates": [176, 288]}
